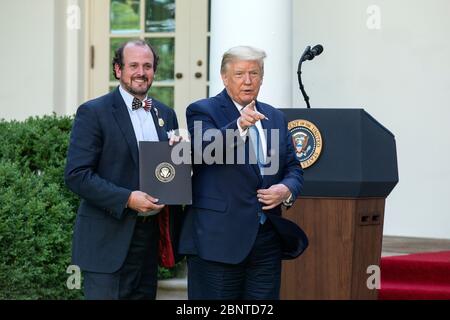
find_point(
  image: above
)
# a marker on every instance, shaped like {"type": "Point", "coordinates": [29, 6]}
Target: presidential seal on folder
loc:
{"type": "Point", "coordinates": [163, 174]}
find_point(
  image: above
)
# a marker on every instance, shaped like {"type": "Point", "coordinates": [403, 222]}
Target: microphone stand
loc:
{"type": "Point", "coordinates": [302, 88]}
{"type": "Point", "coordinates": [299, 75]}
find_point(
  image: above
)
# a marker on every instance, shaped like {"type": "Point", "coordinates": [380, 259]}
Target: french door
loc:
{"type": "Point", "coordinates": [177, 29]}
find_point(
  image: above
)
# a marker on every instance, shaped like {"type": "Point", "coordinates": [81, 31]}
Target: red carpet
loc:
{"type": "Point", "coordinates": [421, 276]}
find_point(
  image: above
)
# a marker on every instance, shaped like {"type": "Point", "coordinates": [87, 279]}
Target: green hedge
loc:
{"type": "Point", "coordinates": [37, 211]}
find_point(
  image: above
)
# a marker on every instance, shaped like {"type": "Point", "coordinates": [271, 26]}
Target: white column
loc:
{"type": "Point", "coordinates": [69, 56]}
{"type": "Point", "coordinates": [266, 24]}
{"type": "Point", "coordinates": [74, 70]}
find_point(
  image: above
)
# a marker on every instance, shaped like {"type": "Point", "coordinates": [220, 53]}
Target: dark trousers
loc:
{"type": "Point", "coordinates": [258, 277]}
{"type": "Point", "coordinates": [137, 278]}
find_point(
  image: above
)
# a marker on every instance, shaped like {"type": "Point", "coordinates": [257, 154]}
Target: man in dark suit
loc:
{"type": "Point", "coordinates": [233, 232]}
{"type": "Point", "coordinates": [116, 235]}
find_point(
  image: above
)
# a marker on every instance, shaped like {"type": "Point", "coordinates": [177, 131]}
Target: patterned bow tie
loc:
{"type": "Point", "coordinates": [146, 104]}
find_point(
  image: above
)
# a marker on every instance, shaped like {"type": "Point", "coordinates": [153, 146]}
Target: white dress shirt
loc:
{"type": "Point", "coordinates": [143, 124]}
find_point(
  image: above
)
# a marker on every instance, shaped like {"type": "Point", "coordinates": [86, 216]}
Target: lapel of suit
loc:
{"type": "Point", "coordinates": [156, 115]}
{"type": "Point", "coordinates": [232, 114]}
{"type": "Point", "coordinates": [123, 120]}
{"type": "Point", "coordinates": [229, 110]}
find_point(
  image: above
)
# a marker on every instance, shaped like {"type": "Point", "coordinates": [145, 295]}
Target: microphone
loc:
{"type": "Point", "coordinates": [309, 54]}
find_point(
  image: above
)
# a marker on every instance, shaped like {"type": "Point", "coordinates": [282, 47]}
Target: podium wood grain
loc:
{"type": "Point", "coordinates": [345, 238]}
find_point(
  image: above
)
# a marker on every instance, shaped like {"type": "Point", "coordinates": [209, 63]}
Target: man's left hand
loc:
{"type": "Point", "coordinates": [273, 196]}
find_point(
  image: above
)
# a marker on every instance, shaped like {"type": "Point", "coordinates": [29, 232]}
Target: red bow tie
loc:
{"type": "Point", "coordinates": [146, 104]}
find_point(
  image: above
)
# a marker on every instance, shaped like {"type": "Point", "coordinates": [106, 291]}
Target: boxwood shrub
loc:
{"type": "Point", "coordinates": [37, 211]}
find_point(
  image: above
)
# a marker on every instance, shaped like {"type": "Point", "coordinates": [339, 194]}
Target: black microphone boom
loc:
{"type": "Point", "coordinates": [308, 54]}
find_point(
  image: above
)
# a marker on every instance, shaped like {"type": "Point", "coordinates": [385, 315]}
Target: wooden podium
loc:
{"type": "Point", "coordinates": [342, 206]}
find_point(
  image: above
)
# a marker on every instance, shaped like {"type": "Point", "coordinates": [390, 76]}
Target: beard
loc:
{"type": "Point", "coordinates": [137, 89]}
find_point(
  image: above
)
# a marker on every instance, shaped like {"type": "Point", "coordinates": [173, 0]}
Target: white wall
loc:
{"type": "Point", "coordinates": [42, 59]}
{"type": "Point", "coordinates": [26, 85]}
{"type": "Point", "coordinates": [400, 74]}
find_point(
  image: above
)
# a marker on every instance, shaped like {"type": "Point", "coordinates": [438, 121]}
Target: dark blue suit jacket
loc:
{"type": "Point", "coordinates": [222, 223]}
{"type": "Point", "coordinates": [103, 169]}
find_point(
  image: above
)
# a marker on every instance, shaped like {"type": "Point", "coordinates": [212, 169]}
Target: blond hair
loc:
{"type": "Point", "coordinates": [245, 53]}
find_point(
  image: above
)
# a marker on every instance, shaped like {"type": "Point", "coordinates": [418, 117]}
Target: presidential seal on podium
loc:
{"type": "Point", "coordinates": [307, 141]}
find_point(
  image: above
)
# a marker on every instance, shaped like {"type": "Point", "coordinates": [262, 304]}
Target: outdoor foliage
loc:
{"type": "Point", "coordinates": [37, 211]}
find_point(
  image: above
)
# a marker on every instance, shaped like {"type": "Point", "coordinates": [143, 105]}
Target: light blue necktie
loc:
{"type": "Point", "coordinates": [260, 159]}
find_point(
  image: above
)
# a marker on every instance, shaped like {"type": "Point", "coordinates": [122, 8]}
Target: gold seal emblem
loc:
{"type": "Point", "coordinates": [307, 141]}
{"type": "Point", "coordinates": [165, 172]}
{"type": "Point", "coordinates": [161, 122]}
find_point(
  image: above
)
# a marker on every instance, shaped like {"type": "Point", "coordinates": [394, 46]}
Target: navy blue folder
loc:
{"type": "Point", "coordinates": [160, 173]}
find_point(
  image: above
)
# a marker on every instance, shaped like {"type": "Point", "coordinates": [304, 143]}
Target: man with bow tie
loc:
{"type": "Point", "coordinates": [118, 228]}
